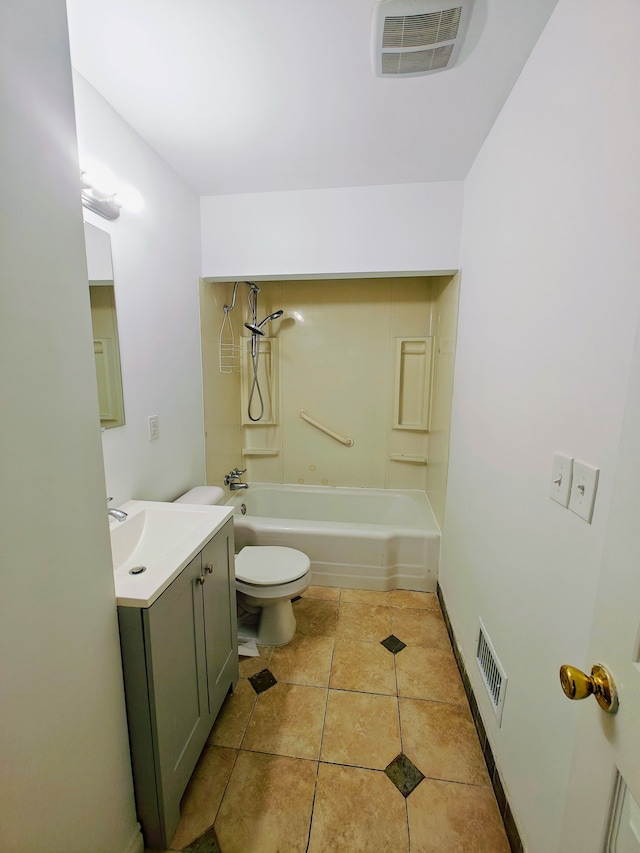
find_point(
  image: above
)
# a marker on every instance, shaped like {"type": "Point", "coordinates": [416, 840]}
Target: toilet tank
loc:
{"type": "Point", "coordinates": [202, 495]}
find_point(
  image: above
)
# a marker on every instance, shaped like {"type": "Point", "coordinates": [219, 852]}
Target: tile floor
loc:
{"type": "Point", "coordinates": [357, 746]}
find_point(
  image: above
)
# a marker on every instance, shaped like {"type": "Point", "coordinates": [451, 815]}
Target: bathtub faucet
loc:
{"type": "Point", "coordinates": [233, 480]}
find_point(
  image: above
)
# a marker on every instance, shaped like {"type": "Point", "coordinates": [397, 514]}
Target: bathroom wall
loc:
{"type": "Point", "coordinates": [156, 260]}
{"type": "Point", "coordinates": [445, 323]}
{"type": "Point", "coordinates": [359, 231]}
{"type": "Point", "coordinates": [343, 234]}
{"type": "Point", "coordinates": [223, 432]}
{"type": "Point", "coordinates": [336, 357]}
{"type": "Point", "coordinates": [549, 306]}
{"type": "Point", "coordinates": [65, 782]}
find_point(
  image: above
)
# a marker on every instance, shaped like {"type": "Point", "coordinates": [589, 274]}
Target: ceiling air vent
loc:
{"type": "Point", "coordinates": [416, 37]}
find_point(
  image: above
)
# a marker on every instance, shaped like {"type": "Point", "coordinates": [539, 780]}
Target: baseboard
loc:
{"type": "Point", "coordinates": [513, 834]}
{"type": "Point", "coordinates": [136, 842]}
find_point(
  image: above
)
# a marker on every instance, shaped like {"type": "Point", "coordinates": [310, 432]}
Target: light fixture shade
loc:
{"type": "Point", "coordinates": [98, 200]}
{"type": "Point", "coordinates": [105, 207]}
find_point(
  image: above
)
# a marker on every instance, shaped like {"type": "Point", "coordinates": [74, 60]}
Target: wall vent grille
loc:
{"type": "Point", "coordinates": [492, 671]}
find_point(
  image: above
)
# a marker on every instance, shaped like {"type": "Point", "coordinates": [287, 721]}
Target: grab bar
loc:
{"type": "Point", "coordinates": [305, 417]}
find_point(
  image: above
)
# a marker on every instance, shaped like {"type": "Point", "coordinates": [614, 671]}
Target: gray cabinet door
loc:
{"type": "Point", "coordinates": [219, 617]}
{"type": "Point", "coordinates": [180, 659]}
{"type": "Point", "coordinates": [178, 686]}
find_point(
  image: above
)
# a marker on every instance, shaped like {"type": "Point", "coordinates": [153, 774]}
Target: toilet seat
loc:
{"type": "Point", "coordinates": [270, 565]}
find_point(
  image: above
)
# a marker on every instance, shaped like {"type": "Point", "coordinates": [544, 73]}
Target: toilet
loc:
{"type": "Point", "coordinates": [268, 577]}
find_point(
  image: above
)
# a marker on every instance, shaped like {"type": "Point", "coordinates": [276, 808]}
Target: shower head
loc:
{"type": "Point", "coordinates": [256, 328]}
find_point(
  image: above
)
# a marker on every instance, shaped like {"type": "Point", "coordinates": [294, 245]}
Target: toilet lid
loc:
{"type": "Point", "coordinates": [265, 565]}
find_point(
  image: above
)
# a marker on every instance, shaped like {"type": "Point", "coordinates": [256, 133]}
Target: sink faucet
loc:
{"type": "Point", "coordinates": [120, 514]}
{"type": "Point", "coordinates": [233, 480]}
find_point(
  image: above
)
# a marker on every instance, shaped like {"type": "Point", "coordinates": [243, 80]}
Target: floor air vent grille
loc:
{"type": "Point", "coordinates": [492, 671]}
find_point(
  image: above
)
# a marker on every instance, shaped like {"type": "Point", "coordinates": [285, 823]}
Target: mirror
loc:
{"type": "Point", "coordinates": [105, 326]}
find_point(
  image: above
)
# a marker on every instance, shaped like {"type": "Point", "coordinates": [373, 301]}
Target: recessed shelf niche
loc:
{"type": "Point", "coordinates": [412, 383]}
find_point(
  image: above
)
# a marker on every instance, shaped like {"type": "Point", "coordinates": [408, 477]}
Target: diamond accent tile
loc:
{"type": "Point", "coordinates": [393, 644]}
{"type": "Point", "coordinates": [262, 680]}
{"type": "Point", "coordinates": [404, 774]}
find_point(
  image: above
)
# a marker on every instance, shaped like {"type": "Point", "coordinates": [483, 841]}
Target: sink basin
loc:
{"type": "Point", "coordinates": [156, 541]}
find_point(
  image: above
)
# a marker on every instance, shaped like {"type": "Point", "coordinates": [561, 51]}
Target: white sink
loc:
{"type": "Point", "coordinates": [155, 542]}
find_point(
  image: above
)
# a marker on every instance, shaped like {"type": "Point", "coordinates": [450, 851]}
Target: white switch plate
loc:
{"type": "Point", "coordinates": [561, 474]}
{"type": "Point", "coordinates": [583, 490]}
{"type": "Point", "coordinates": [154, 427]}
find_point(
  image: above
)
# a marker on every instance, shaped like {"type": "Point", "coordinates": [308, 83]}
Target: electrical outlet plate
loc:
{"type": "Point", "coordinates": [583, 490]}
{"type": "Point", "coordinates": [561, 475]}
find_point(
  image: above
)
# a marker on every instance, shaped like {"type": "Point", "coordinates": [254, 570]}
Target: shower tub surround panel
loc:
{"type": "Point", "coordinates": [356, 538]}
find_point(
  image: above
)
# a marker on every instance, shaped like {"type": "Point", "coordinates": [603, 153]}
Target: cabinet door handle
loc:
{"type": "Point", "coordinates": [201, 580]}
{"type": "Point", "coordinates": [209, 568]}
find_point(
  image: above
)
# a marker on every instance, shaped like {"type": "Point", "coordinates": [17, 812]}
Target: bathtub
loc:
{"type": "Point", "coordinates": [360, 538]}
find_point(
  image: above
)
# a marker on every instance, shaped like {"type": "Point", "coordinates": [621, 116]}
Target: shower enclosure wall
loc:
{"type": "Point", "coordinates": [356, 377]}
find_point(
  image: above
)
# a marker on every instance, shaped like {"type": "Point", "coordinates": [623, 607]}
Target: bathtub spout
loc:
{"type": "Point", "coordinates": [234, 479]}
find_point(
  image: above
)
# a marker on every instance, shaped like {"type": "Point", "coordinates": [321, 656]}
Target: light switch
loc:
{"type": "Point", "coordinates": [583, 490]}
{"type": "Point", "coordinates": [561, 474]}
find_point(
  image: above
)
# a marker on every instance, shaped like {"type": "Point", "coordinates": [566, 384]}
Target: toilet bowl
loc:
{"type": "Point", "coordinates": [268, 577]}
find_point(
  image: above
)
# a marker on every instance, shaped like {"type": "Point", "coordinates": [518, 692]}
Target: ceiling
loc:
{"type": "Point", "coordinates": [265, 95]}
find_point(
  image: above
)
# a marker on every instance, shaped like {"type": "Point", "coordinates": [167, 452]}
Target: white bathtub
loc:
{"type": "Point", "coordinates": [360, 538]}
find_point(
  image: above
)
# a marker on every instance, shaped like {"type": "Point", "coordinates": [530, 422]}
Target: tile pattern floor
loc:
{"type": "Point", "coordinates": [358, 746]}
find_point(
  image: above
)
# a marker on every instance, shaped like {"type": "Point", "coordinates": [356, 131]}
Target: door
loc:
{"type": "Point", "coordinates": [602, 812]}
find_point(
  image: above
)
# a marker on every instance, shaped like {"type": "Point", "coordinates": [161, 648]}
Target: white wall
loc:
{"type": "Point", "coordinates": [156, 261]}
{"type": "Point", "coordinates": [65, 779]}
{"type": "Point", "coordinates": [351, 230]}
{"type": "Point", "coordinates": [549, 304]}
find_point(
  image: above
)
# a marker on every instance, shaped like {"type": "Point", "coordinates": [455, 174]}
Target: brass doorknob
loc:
{"type": "Point", "coordinates": [577, 685]}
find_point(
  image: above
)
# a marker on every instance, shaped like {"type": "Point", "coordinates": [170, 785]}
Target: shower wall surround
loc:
{"type": "Point", "coordinates": [371, 359]}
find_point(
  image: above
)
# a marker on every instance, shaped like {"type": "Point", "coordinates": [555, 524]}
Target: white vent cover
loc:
{"type": "Point", "coordinates": [492, 672]}
{"type": "Point", "coordinates": [415, 37]}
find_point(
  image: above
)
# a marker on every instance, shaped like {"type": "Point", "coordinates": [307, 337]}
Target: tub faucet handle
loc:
{"type": "Point", "coordinates": [233, 478]}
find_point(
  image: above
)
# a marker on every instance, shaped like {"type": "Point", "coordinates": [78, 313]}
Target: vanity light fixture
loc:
{"type": "Point", "coordinates": [106, 204]}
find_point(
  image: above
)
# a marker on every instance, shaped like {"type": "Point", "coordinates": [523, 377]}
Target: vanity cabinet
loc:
{"type": "Point", "coordinates": [180, 659]}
